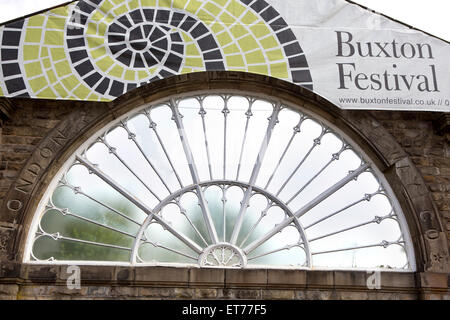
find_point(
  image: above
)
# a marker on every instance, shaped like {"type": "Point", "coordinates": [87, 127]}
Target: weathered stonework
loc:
{"type": "Point", "coordinates": [43, 282]}
{"type": "Point", "coordinates": [411, 149]}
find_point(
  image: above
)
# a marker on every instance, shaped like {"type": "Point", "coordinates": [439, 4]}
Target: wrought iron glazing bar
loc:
{"type": "Point", "coordinates": [66, 212]}
{"type": "Point", "coordinates": [113, 151]}
{"type": "Point", "coordinates": [316, 142]}
{"type": "Point", "coordinates": [297, 129]}
{"type": "Point", "coordinates": [225, 112]}
{"type": "Point", "coordinates": [137, 203]}
{"type": "Point", "coordinates": [194, 173]}
{"type": "Point", "coordinates": [153, 126]}
{"type": "Point", "coordinates": [307, 207]}
{"type": "Point", "coordinates": [286, 247]}
{"type": "Point", "coordinates": [132, 137]}
{"type": "Point", "coordinates": [57, 236]}
{"type": "Point", "coordinates": [184, 213]}
{"type": "Point", "coordinates": [384, 244]}
{"type": "Point", "coordinates": [335, 157]}
{"type": "Point", "coordinates": [273, 120]}
{"type": "Point", "coordinates": [158, 245]}
{"type": "Point", "coordinates": [377, 220]}
{"type": "Point", "coordinates": [202, 113]}
{"type": "Point", "coordinates": [248, 114]}
{"type": "Point", "coordinates": [367, 197]}
{"type": "Point", "coordinates": [78, 190]}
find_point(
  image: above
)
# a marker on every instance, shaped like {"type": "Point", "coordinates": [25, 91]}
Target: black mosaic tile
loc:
{"type": "Point", "coordinates": [199, 30]}
{"type": "Point", "coordinates": [117, 89]}
{"type": "Point", "coordinates": [292, 49]}
{"type": "Point", "coordinates": [162, 16]}
{"type": "Point", "coordinates": [176, 37]}
{"type": "Point", "coordinates": [138, 61]}
{"type": "Point", "coordinates": [301, 76]}
{"type": "Point", "coordinates": [125, 21]}
{"type": "Point", "coordinates": [11, 38]}
{"type": "Point", "coordinates": [298, 62]}
{"type": "Point", "coordinates": [214, 65]}
{"type": "Point", "coordinates": [207, 43]}
{"type": "Point", "coordinates": [213, 55]}
{"type": "Point", "coordinates": [179, 48]}
{"type": "Point", "coordinates": [78, 55]}
{"type": "Point", "coordinates": [9, 54]}
{"type": "Point", "coordinates": [93, 79]}
{"type": "Point", "coordinates": [278, 24]}
{"type": "Point", "coordinates": [84, 68]}
{"type": "Point", "coordinates": [286, 36]}
{"type": "Point", "coordinates": [269, 14]}
{"type": "Point", "coordinates": [161, 44]}
{"type": "Point", "coordinates": [10, 69]}
{"type": "Point", "coordinates": [259, 5]}
{"type": "Point", "coordinates": [15, 85]}
{"type": "Point", "coordinates": [117, 48]}
{"type": "Point", "coordinates": [150, 60]}
{"type": "Point", "coordinates": [15, 24]}
{"type": "Point", "coordinates": [188, 24]}
{"type": "Point", "coordinates": [74, 43]}
{"type": "Point", "coordinates": [103, 86]}
{"type": "Point", "coordinates": [125, 57]}
{"type": "Point", "coordinates": [136, 15]}
{"type": "Point", "coordinates": [173, 62]}
{"type": "Point", "coordinates": [149, 14]}
{"type": "Point", "coordinates": [176, 19]}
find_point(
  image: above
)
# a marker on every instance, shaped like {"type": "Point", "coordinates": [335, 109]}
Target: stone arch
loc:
{"type": "Point", "coordinates": [423, 220]}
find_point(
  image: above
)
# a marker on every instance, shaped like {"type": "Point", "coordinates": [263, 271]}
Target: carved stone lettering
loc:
{"type": "Point", "coordinates": [14, 205]}
{"type": "Point", "coordinates": [59, 139]}
{"type": "Point", "coordinates": [46, 152]}
{"type": "Point", "coordinates": [432, 234]}
{"type": "Point", "coordinates": [34, 169]}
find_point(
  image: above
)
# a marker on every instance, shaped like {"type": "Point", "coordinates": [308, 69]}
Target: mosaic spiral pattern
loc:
{"type": "Point", "coordinates": [100, 49]}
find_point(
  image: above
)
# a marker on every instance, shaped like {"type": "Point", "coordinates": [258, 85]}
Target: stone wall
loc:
{"type": "Point", "coordinates": [415, 145]}
{"type": "Point", "coordinates": [425, 137]}
{"type": "Point", "coordinates": [106, 282]}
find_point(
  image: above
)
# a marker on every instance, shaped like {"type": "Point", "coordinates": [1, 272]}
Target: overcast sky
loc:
{"type": "Point", "coordinates": [427, 15]}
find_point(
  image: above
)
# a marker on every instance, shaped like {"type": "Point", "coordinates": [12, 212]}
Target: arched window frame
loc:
{"type": "Point", "coordinates": [69, 162]}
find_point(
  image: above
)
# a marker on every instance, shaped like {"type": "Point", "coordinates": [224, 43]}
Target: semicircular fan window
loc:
{"type": "Point", "coordinates": [221, 180]}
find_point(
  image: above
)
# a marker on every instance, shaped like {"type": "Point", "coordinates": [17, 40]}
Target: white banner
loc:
{"type": "Point", "coordinates": [98, 50]}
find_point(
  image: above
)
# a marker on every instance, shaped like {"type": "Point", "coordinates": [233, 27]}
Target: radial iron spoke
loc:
{"type": "Point", "coordinates": [255, 225]}
{"type": "Point", "coordinates": [287, 247]}
{"type": "Point", "coordinates": [184, 213]}
{"type": "Point", "coordinates": [316, 142]}
{"type": "Point", "coordinates": [224, 212]}
{"type": "Point", "coordinates": [153, 127]}
{"type": "Point", "coordinates": [113, 151]}
{"type": "Point", "coordinates": [202, 113]}
{"type": "Point", "coordinates": [77, 190]}
{"type": "Point", "coordinates": [262, 152]}
{"type": "Point", "coordinates": [335, 157]}
{"type": "Point", "coordinates": [57, 237]}
{"type": "Point", "coordinates": [158, 245]}
{"type": "Point", "coordinates": [296, 130]}
{"type": "Point", "coordinates": [194, 173]}
{"type": "Point", "coordinates": [383, 244]}
{"type": "Point", "coordinates": [225, 112]}
{"type": "Point", "coordinates": [248, 114]}
{"type": "Point", "coordinates": [377, 220]}
{"type": "Point", "coordinates": [66, 212]}
{"type": "Point", "coordinates": [132, 137]}
{"type": "Point", "coordinates": [367, 197]}
{"type": "Point", "coordinates": [137, 203]}
{"type": "Point", "coordinates": [307, 207]}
